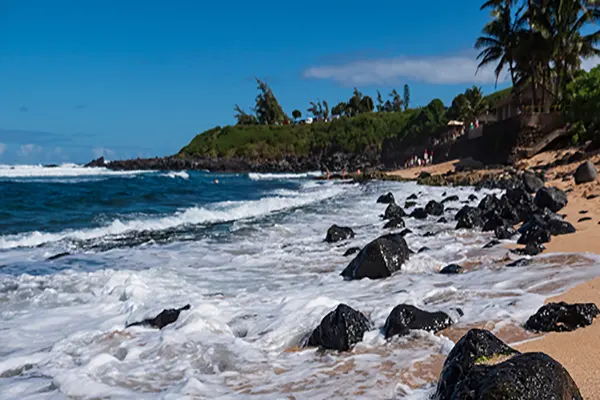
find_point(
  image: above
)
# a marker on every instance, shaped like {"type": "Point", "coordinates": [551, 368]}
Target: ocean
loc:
{"type": "Point", "coordinates": [85, 251]}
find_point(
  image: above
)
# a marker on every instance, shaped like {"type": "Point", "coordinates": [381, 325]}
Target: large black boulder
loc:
{"type": "Point", "coordinates": [586, 172]}
{"type": "Point", "coordinates": [419, 213]}
{"type": "Point", "coordinates": [532, 183]}
{"type": "Point", "coordinates": [392, 211]}
{"type": "Point", "coordinates": [520, 201]}
{"type": "Point", "coordinates": [529, 376]}
{"type": "Point", "coordinates": [469, 218]}
{"type": "Point", "coordinates": [163, 319]}
{"type": "Point", "coordinates": [378, 259]}
{"type": "Point", "coordinates": [340, 329]}
{"type": "Point", "coordinates": [405, 318]}
{"type": "Point", "coordinates": [338, 233]}
{"type": "Point", "coordinates": [475, 346]}
{"type": "Point", "coordinates": [562, 317]}
{"type": "Point", "coordinates": [386, 198]}
{"type": "Point", "coordinates": [552, 198]}
{"type": "Point", "coordinates": [394, 223]}
{"type": "Point", "coordinates": [434, 208]}
{"type": "Point", "coordinates": [505, 232]}
{"type": "Point", "coordinates": [412, 197]}
{"type": "Point", "coordinates": [531, 249]}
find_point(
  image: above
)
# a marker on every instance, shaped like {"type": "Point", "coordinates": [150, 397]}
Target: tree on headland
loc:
{"type": "Point", "coordinates": [296, 114]}
{"type": "Point", "coordinates": [468, 106]}
{"type": "Point", "coordinates": [380, 103]}
{"type": "Point", "coordinates": [315, 109]}
{"type": "Point", "coordinates": [354, 104]}
{"type": "Point", "coordinates": [267, 108]}
{"type": "Point", "coordinates": [243, 118]}
{"type": "Point", "coordinates": [396, 101]}
{"type": "Point", "coordinates": [366, 104]}
{"type": "Point", "coordinates": [325, 110]}
{"type": "Point", "coordinates": [406, 99]}
{"type": "Point", "coordinates": [340, 109]}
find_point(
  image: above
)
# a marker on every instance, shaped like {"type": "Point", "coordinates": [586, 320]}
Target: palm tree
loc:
{"type": "Point", "coordinates": [499, 41]}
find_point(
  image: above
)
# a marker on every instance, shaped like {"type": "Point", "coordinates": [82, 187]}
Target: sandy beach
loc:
{"type": "Point", "coordinates": [578, 351]}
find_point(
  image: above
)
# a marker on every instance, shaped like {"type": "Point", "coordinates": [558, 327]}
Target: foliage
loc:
{"type": "Point", "coordinates": [268, 110]}
{"type": "Point", "coordinates": [468, 106]}
{"type": "Point", "coordinates": [365, 132]}
{"type": "Point", "coordinates": [582, 104]}
{"type": "Point", "coordinates": [540, 42]}
{"type": "Point", "coordinates": [406, 99]}
{"type": "Point", "coordinates": [244, 118]}
{"type": "Point", "coordinates": [296, 114]}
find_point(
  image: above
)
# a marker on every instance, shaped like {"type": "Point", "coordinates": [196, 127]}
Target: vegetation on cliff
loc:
{"type": "Point", "coordinates": [536, 43]}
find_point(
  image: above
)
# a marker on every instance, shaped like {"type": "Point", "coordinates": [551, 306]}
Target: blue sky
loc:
{"type": "Point", "coordinates": [134, 78]}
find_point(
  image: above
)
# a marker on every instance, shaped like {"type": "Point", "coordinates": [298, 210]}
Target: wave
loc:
{"type": "Point", "coordinates": [177, 174]}
{"type": "Point", "coordinates": [63, 170]}
{"type": "Point", "coordinates": [259, 177]}
{"type": "Point", "coordinates": [220, 212]}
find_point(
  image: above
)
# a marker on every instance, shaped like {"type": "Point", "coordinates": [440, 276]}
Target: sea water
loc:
{"type": "Point", "coordinates": [85, 251]}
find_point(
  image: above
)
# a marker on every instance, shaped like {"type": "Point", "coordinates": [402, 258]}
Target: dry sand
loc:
{"type": "Point", "coordinates": [578, 351]}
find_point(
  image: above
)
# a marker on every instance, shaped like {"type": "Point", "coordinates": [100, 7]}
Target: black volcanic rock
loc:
{"type": "Point", "coordinates": [419, 213]}
{"type": "Point", "coordinates": [450, 198]}
{"type": "Point", "coordinates": [386, 198]}
{"type": "Point", "coordinates": [562, 317]}
{"type": "Point", "coordinates": [532, 183]}
{"type": "Point", "coordinates": [405, 318]}
{"type": "Point", "coordinates": [452, 269]}
{"type": "Point", "coordinates": [166, 317]}
{"type": "Point", "coordinates": [340, 329]}
{"type": "Point", "coordinates": [552, 198]}
{"type": "Point", "coordinates": [351, 251]}
{"type": "Point", "coordinates": [378, 259]}
{"type": "Point", "coordinates": [586, 172]}
{"type": "Point", "coordinates": [393, 211]}
{"type": "Point", "coordinates": [434, 208]}
{"type": "Point", "coordinates": [338, 233]}
{"type": "Point", "coordinates": [394, 223]}
{"type": "Point", "coordinates": [504, 232]}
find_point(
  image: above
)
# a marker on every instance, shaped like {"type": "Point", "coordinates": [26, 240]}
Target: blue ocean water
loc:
{"type": "Point", "coordinates": [84, 252]}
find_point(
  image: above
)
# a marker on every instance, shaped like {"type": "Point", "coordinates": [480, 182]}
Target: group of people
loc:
{"type": "Point", "coordinates": [416, 161]}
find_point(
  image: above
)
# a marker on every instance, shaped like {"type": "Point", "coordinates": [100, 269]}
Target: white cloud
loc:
{"type": "Point", "coordinates": [437, 70]}
{"type": "Point", "coordinates": [27, 149]}
{"type": "Point", "coordinates": [590, 63]}
{"type": "Point", "coordinates": [103, 152]}
{"type": "Point", "coordinates": [2, 148]}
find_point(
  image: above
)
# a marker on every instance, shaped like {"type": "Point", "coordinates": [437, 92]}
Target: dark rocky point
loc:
{"type": "Point", "coordinates": [405, 318]}
{"type": "Point", "coordinates": [386, 198]}
{"type": "Point", "coordinates": [393, 211]}
{"type": "Point", "coordinates": [434, 208]}
{"type": "Point", "coordinates": [452, 269]}
{"type": "Point", "coordinates": [378, 259]}
{"type": "Point", "coordinates": [552, 198]}
{"type": "Point", "coordinates": [586, 172]}
{"type": "Point", "coordinates": [394, 223]}
{"type": "Point", "coordinates": [562, 317]}
{"type": "Point", "coordinates": [338, 233]}
{"type": "Point", "coordinates": [163, 319]}
{"type": "Point", "coordinates": [340, 329]}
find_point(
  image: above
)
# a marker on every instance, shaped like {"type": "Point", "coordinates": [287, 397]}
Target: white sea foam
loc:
{"type": "Point", "coordinates": [63, 170]}
{"type": "Point", "coordinates": [255, 296]}
{"type": "Point", "coordinates": [177, 174]}
{"type": "Point", "coordinates": [258, 177]}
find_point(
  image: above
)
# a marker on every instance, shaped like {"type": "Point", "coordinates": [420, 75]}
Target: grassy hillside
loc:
{"type": "Point", "coordinates": [364, 132]}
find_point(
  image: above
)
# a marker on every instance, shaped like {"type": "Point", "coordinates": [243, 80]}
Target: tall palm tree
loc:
{"type": "Point", "coordinates": [499, 40]}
